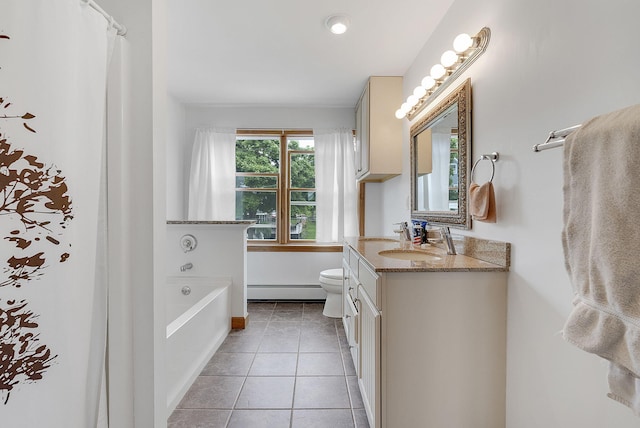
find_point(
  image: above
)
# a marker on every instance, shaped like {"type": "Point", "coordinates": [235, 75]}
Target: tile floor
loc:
{"type": "Point", "coordinates": [290, 368]}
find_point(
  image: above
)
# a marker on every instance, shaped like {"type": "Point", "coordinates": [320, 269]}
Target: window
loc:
{"type": "Point", "coordinates": [275, 185]}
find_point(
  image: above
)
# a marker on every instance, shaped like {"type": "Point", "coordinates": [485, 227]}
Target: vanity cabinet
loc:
{"type": "Point", "coordinates": [431, 345]}
{"type": "Point", "coordinates": [370, 341]}
{"type": "Point", "coordinates": [378, 131]}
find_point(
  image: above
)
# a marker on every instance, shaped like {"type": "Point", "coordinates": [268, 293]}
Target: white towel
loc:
{"type": "Point", "coordinates": [601, 242]}
{"type": "Point", "coordinates": [624, 387]}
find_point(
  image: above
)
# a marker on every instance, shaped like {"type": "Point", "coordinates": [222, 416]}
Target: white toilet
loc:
{"type": "Point", "coordinates": [331, 282]}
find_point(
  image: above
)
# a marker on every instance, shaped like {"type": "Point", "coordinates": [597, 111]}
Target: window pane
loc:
{"type": "Point", "coordinates": [300, 143]}
{"type": "Point", "coordinates": [454, 142]}
{"type": "Point", "coordinates": [257, 155]}
{"type": "Point", "coordinates": [261, 207]}
{"type": "Point", "coordinates": [303, 172]}
{"type": "Point", "coordinates": [260, 182]}
{"type": "Point", "coordinates": [453, 169]}
{"type": "Point", "coordinates": [303, 215]}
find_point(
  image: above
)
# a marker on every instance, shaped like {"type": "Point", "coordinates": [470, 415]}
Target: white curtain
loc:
{"type": "Point", "coordinates": [438, 187]}
{"type": "Point", "coordinates": [53, 72]}
{"type": "Point", "coordinates": [212, 175]}
{"type": "Point", "coordinates": [336, 194]}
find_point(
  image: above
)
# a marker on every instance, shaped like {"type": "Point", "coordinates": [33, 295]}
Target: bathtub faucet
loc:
{"type": "Point", "coordinates": [184, 267]}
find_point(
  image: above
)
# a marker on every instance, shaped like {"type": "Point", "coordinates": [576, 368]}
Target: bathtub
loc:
{"type": "Point", "coordinates": [197, 323]}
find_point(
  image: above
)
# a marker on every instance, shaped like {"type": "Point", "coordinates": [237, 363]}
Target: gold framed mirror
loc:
{"type": "Point", "coordinates": [440, 150]}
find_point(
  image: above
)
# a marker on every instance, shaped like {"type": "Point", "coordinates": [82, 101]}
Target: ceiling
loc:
{"type": "Point", "coordinates": [279, 52]}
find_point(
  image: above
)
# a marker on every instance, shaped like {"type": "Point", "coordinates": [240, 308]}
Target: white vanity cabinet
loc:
{"type": "Point", "coordinates": [378, 131]}
{"type": "Point", "coordinates": [431, 345]}
{"type": "Point", "coordinates": [370, 375]}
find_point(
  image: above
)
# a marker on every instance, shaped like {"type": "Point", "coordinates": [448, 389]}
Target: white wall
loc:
{"type": "Point", "coordinates": [264, 268]}
{"type": "Point", "coordinates": [185, 119]}
{"type": "Point", "coordinates": [550, 64]}
{"type": "Point", "coordinates": [178, 160]}
{"type": "Point", "coordinates": [198, 116]}
{"type": "Point", "coordinates": [221, 251]}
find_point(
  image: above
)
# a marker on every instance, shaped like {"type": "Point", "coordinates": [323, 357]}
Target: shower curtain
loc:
{"type": "Point", "coordinates": [53, 65]}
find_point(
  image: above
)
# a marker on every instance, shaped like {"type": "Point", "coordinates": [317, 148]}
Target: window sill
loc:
{"type": "Point", "coordinates": [293, 248]}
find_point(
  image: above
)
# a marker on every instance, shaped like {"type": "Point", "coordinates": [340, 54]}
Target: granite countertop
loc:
{"type": "Point", "coordinates": [211, 221]}
{"type": "Point", "coordinates": [474, 255]}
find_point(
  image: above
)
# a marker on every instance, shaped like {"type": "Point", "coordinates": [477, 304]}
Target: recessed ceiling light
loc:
{"type": "Point", "coordinates": [337, 24]}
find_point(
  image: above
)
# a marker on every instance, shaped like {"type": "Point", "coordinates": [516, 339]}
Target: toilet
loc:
{"type": "Point", "coordinates": [331, 282]}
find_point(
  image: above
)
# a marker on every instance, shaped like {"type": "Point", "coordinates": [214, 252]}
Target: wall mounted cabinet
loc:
{"type": "Point", "coordinates": [378, 131]}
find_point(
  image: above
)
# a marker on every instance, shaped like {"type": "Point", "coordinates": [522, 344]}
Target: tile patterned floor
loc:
{"type": "Point", "coordinates": [290, 368]}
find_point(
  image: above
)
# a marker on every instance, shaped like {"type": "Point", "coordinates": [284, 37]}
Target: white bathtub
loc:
{"type": "Point", "coordinates": [197, 324]}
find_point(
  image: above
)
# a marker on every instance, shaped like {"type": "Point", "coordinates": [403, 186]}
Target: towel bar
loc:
{"type": "Point", "coordinates": [555, 138]}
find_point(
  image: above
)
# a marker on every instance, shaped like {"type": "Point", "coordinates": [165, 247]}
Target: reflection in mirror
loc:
{"type": "Point", "coordinates": [440, 146]}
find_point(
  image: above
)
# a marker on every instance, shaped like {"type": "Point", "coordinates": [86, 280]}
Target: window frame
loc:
{"type": "Point", "coordinates": [283, 241]}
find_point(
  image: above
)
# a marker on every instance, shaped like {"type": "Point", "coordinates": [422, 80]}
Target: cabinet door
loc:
{"type": "Point", "coordinates": [370, 373]}
{"type": "Point", "coordinates": [362, 134]}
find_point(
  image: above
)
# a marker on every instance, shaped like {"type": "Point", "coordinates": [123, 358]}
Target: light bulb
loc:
{"type": "Point", "coordinates": [412, 100]}
{"type": "Point", "coordinates": [462, 42]}
{"type": "Point", "coordinates": [400, 114]}
{"type": "Point", "coordinates": [428, 82]}
{"type": "Point", "coordinates": [405, 108]}
{"type": "Point", "coordinates": [437, 71]}
{"type": "Point", "coordinates": [448, 58]}
{"type": "Point", "coordinates": [419, 91]}
{"type": "Point", "coordinates": [337, 24]}
{"type": "Point", "coordinates": [338, 28]}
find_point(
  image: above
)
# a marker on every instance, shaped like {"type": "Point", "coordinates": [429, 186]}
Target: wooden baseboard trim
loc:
{"type": "Point", "coordinates": [239, 322]}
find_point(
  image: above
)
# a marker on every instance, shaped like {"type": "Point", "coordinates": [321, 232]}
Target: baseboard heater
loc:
{"type": "Point", "coordinates": [285, 292]}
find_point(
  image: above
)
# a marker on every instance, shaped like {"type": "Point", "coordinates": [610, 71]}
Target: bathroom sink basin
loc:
{"type": "Point", "coordinates": [413, 255]}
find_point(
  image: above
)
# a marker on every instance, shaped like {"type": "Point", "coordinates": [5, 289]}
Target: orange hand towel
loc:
{"type": "Point", "coordinates": [482, 202]}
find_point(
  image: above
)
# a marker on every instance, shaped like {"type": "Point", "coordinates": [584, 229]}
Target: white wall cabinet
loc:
{"type": "Point", "coordinates": [431, 348]}
{"type": "Point", "coordinates": [378, 131]}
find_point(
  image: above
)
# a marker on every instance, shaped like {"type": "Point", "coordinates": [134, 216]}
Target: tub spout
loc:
{"type": "Point", "coordinates": [186, 266]}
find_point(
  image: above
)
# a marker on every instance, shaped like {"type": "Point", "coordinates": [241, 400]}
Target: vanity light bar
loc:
{"type": "Point", "coordinates": [466, 50]}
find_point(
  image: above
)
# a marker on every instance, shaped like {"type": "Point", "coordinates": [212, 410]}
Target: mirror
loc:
{"type": "Point", "coordinates": [440, 151]}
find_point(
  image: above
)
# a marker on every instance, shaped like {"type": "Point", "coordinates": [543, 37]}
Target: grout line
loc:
{"type": "Point", "coordinates": [341, 350]}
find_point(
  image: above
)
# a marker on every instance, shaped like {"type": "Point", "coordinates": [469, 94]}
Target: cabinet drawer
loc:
{"type": "Point", "coordinates": [370, 283]}
{"type": "Point", "coordinates": [351, 327]}
{"type": "Point", "coordinates": [350, 284]}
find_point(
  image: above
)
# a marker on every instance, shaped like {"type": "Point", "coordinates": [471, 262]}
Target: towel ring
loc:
{"type": "Point", "coordinates": [493, 157]}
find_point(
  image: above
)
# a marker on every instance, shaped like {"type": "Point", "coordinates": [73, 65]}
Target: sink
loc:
{"type": "Point", "coordinates": [413, 255]}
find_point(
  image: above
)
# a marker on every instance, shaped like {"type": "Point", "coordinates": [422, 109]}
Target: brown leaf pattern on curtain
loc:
{"type": "Point", "coordinates": [35, 205]}
{"type": "Point", "coordinates": [22, 357]}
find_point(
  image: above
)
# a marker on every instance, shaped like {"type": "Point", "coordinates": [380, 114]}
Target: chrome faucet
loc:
{"type": "Point", "coordinates": [186, 266]}
{"type": "Point", "coordinates": [406, 231]}
{"type": "Point", "coordinates": [448, 241]}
